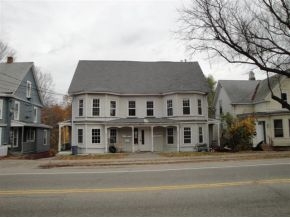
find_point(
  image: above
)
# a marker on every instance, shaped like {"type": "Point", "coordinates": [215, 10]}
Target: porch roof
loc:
{"type": "Point", "coordinates": [142, 121]}
{"type": "Point", "coordinates": [22, 124]}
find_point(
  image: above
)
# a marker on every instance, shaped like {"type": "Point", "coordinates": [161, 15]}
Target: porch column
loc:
{"type": "Point", "coordinates": [218, 134]}
{"type": "Point", "coordinates": [207, 135]}
{"type": "Point", "coordinates": [177, 138]}
{"type": "Point", "coordinates": [133, 150]}
{"type": "Point", "coordinates": [106, 140]}
{"type": "Point", "coordinates": [22, 139]}
{"type": "Point", "coordinates": [59, 137]}
{"type": "Point", "coordinates": [152, 138]}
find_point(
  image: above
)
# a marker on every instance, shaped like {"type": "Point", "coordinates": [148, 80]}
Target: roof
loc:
{"type": "Point", "coordinates": [133, 77]}
{"type": "Point", "coordinates": [12, 74]}
{"type": "Point", "coordinates": [248, 91]}
{"type": "Point", "coordinates": [240, 91]}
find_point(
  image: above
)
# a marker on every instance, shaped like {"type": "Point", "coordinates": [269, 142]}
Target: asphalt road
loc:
{"type": "Point", "coordinates": [247, 188]}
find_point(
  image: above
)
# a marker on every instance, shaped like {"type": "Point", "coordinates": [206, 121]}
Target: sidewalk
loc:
{"type": "Point", "coordinates": [155, 158]}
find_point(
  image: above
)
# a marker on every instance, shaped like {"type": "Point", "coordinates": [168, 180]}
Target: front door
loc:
{"type": "Point", "coordinates": [144, 140]}
{"type": "Point", "coordinates": [260, 133]}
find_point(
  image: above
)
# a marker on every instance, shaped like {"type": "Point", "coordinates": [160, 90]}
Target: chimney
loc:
{"type": "Point", "coordinates": [252, 75]}
{"type": "Point", "coordinates": [9, 59]}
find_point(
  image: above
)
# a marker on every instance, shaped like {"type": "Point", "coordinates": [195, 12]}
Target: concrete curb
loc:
{"type": "Point", "coordinates": [162, 160]}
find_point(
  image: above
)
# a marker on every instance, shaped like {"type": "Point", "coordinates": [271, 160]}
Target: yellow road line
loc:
{"type": "Point", "coordinates": [140, 189]}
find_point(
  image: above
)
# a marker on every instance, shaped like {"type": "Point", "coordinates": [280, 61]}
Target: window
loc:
{"type": "Point", "coordinates": [113, 108]}
{"type": "Point", "coordinates": [132, 108]}
{"type": "Point", "coordinates": [284, 98]}
{"type": "Point", "coordinates": [187, 135]}
{"type": "Point", "coordinates": [278, 128]}
{"type": "Point", "coordinates": [81, 107]}
{"type": "Point", "coordinates": [199, 108]}
{"type": "Point", "coordinates": [200, 135]}
{"type": "Point", "coordinates": [80, 136]}
{"type": "Point", "coordinates": [113, 136]}
{"type": "Point", "coordinates": [150, 108]}
{"type": "Point", "coordinates": [96, 107]}
{"type": "Point", "coordinates": [1, 108]}
{"type": "Point", "coordinates": [96, 136]}
{"type": "Point", "coordinates": [16, 110]}
{"type": "Point", "coordinates": [169, 108]}
{"type": "Point", "coordinates": [35, 114]}
{"type": "Point", "coordinates": [45, 137]}
{"type": "Point", "coordinates": [28, 89]}
{"type": "Point", "coordinates": [186, 107]}
{"type": "Point", "coordinates": [29, 134]}
{"type": "Point", "coordinates": [170, 139]}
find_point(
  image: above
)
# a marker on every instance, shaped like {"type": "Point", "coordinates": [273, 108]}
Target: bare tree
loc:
{"type": "Point", "coordinates": [241, 31]}
{"type": "Point", "coordinates": [46, 85]}
{"type": "Point", "coordinates": [5, 51]}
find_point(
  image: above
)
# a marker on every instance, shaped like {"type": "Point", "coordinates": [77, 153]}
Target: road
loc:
{"type": "Point", "coordinates": [233, 188]}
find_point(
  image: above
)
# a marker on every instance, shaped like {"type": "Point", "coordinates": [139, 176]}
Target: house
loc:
{"type": "Point", "coordinates": [20, 109]}
{"type": "Point", "coordinates": [253, 97]}
{"type": "Point", "coordinates": [139, 106]}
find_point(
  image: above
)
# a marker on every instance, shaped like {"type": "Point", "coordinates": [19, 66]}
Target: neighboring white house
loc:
{"type": "Point", "coordinates": [139, 106]}
{"type": "Point", "coordinates": [253, 97]}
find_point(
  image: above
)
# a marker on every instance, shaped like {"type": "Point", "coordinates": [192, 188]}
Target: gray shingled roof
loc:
{"type": "Point", "coordinates": [12, 74]}
{"type": "Point", "coordinates": [248, 91]}
{"type": "Point", "coordinates": [240, 91]}
{"type": "Point", "coordinates": [133, 77]}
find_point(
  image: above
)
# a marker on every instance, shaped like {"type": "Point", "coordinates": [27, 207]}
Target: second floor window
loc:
{"type": "Point", "coordinates": [81, 107]}
{"type": "Point", "coordinates": [35, 114]}
{"type": "Point", "coordinates": [16, 110]}
{"type": "Point", "coordinates": [186, 106]}
{"type": "Point", "coordinates": [150, 108]}
{"type": "Point", "coordinates": [132, 108]}
{"type": "Point", "coordinates": [96, 107]}
{"type": "Point", "coordinates": [169, 108]}
{"type": "Point", "coordinates": [220, 107]}
{"type": "Point", "coordinates": [113, 108]}
{"type": "Point", "coordinates": [28, 89]}
{"type": "Point", "coordinates": [199, 107]}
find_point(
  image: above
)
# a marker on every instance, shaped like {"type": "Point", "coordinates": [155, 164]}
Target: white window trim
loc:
{"type": "Point", "coordinates": [111, 108]}
{"type": "Point", "coordinates": [201, 108]}
{"type": "Point", "coordinates": [80, 143]}
{"type": "Point", "coordinates": [45, 136]}
{"type": "Point", "coordinates": [35, 114]}
{"type": "Point", "coordinates": [0, 136]}
{"type": "Point", "coordinates": [16, 115]}
{"type": "Point", "coordinates": [97, 143]}
{"type": "Point", "coordinates": [28, 89]}
{"type": "Point", "coordinates": [1, 108]}
{"type": "Point", "coordinates": [189, 103]}
{"type": "Point", "coordinates": [81, 99]}
{"type": "Point", "coordinates": [168, 135]}
{"type": "Point", "coordinates": [202, 134]}
{"type": "Point", "coordinates": [167, 107]}
{"type": "Point", "coordinates": [184, 135]}
{"type": "Point", "coordinates": [150, 109]}
{"type": "Point", "coordinates": [131, 108]}
{"type": "Point", "coordinates": [99, 107]}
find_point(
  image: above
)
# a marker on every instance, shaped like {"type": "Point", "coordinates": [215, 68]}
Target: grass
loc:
{"type": "Point", "coordinates": [91, 156]}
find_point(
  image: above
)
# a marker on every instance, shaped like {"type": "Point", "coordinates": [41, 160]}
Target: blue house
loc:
{"type": "Point", "coordinates": [20, 109]}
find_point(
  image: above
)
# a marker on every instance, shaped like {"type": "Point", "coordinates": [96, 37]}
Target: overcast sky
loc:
{"type": "Point", "coordinates": [55, 35]}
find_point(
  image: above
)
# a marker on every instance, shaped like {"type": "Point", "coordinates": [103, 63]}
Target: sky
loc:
{"type": "Point", "coordinates": [55, 35]}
